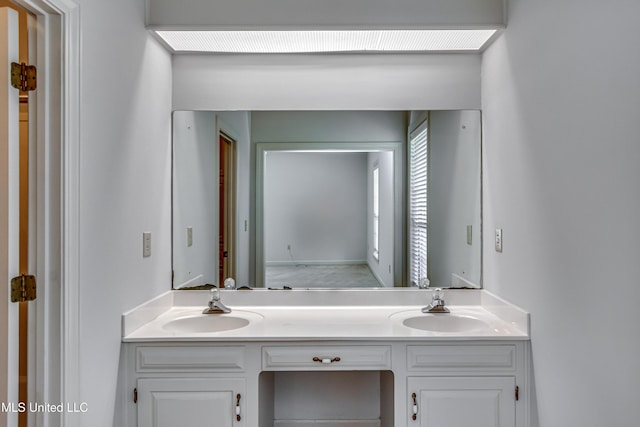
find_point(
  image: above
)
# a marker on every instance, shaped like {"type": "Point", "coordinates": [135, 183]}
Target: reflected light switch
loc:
{"type": "Point", "coordinates": [498, 239]}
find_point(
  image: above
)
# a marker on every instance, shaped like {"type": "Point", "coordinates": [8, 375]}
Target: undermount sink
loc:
{"type": "Point", "coordinates": [444, 323]}
{"type": "Point", "coordinates": [203, 323]}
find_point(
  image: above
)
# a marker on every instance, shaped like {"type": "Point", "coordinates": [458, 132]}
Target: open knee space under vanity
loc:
{"type": "Point", "coordinates": [329, 399]}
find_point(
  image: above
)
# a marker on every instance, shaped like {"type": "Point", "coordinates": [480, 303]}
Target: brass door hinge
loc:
{"type": "Point", "coordinates": [517, 393]}
{"type": "Point", "coordinates": [23, 288]}
{"type": "Point", "coordinates": [23, 76]}
{"type": "Point", "coordinates": [135, 395]}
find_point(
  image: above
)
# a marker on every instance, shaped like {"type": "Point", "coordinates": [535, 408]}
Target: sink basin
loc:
{"type": "Point", "coordinates": [204, 323]}
{"type": "Point", "coordinates": [445, 323]}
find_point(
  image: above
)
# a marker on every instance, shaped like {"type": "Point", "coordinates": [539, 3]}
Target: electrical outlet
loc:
{"type": "Point", "coordinates": [498, 239]}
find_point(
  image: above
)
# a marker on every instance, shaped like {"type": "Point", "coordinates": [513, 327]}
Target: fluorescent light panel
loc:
{"type": "Point", "coordinates": [325, 41]}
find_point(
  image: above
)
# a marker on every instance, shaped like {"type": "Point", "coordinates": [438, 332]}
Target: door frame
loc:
{"type": "Point", "coordinates": [224, 130]}
{"type": "Point", "coordinates": [262, 148]}
{"type": "Point", "coordinates": [9, 219]}
{"type": "Point", "coordinates": [57, 200]}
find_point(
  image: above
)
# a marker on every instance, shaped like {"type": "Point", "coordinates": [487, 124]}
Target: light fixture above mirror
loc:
{"type": "Point", "coordinates": [454, 40]}
{"type": "Point", "coordinates": [328, 26]}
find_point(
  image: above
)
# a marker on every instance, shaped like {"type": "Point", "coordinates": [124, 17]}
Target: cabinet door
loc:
{"type": "Point", "coordinates": [462, 401]}
{"type": "Point", "coordinates": [171, 402]}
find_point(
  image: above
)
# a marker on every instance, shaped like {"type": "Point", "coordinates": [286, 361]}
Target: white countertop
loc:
{"type": "Point", "coordinates": [302, 320]}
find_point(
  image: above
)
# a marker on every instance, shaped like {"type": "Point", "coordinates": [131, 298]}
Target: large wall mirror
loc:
{"type": "Point", "coordinates": [327, 199]}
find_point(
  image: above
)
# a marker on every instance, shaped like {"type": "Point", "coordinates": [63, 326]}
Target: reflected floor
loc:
{"type": "Point", "coordinates": [321, 276]}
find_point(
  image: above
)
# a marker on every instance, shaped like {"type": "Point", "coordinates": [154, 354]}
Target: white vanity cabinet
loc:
{"type": "Point", "coordinates": [299, 359]}
{"type": "Point", "coordinates": [340, 383]}
{"type": "Point", "coordinates": [188, 384]}
{"type": "Point", "coordinates": [171, 402]}
{"type": "Point", "coordinates": [462, 401]}
{"type": "Point", "coordinates": [466, 384]}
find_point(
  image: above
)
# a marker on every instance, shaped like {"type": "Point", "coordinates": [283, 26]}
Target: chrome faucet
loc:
{"type": "Point", "coordinates": [437, 303]}
{"type": "Point", "coordinates": [215, 305]}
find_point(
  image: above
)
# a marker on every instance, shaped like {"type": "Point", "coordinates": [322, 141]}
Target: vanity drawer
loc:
{"type": "Point", "coordinates": [467, 358]}
{"type": "Point", "coordinates": [289, 358]}
{"type": "Point", "coordinates": [190, 358]}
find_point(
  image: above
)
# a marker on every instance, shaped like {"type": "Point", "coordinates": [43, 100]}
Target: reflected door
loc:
{"type": "Point", "coordinates": [227, 207]}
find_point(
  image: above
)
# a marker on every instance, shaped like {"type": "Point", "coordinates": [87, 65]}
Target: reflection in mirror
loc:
{"type": "Point", "coordinates": [308, 199]}
{"type": "Point", "coordinates": [329, 212]}
{"type": "Point", "coordinates": [315, 219]}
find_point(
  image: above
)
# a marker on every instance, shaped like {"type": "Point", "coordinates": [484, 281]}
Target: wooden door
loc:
{"type": "Point", "coordinates": [19, 167]}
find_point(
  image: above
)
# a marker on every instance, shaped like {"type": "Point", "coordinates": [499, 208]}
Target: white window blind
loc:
{"type": "Point", "coordinates": [418, 173]}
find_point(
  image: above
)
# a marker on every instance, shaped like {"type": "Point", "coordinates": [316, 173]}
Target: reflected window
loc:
{"type": "Point", "coordinates": [376, 211]}
{"type": "Point", "coordinates": [418, 164]}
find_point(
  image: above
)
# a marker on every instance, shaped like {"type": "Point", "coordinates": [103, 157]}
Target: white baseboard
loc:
{"type": "Point", "coordinates": [326, 423]}
{"type": "Point", "coordinates": [377, 276]}
{"type": "Point", "coordinates": [314, 262]}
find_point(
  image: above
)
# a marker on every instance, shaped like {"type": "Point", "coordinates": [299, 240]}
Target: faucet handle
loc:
{"type": "Point", "coordinates": [437, 294]}
{"type": "Point", "coordinates": [215, 294]}
{"type": "Point", "coordinates": [229, 283]}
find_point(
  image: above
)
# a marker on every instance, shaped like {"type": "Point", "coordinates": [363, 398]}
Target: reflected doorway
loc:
{"type": "Point", "coordinates": [315, 216]}
{"type": "Point", "coordinates": [227, 208]}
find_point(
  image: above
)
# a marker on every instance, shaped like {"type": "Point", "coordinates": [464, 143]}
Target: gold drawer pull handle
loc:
{"type": "Point", "coordinates": [325, 360]}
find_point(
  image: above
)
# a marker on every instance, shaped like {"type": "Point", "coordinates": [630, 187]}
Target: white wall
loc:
{"type": "Point", "coordinates": [195, 197]}
{"type": "Point", "coordinates": [125, 182]}
{"type": "Point", "coordinates": [383, 268]}
{"type": "Point", "coordinates": [561, 103]}
{"type": "Point", "coordinates": [337, 126]}
{"type": "Point", "coordinates": [282, 14]}
{"type": "Point", "coordinates": [454, 196]}
{"type": "Point", "coordinates": [328, 126]}
{"type": "Point", "coordinates": [326, 82]}
{"type": "Point", "coordinates": [317, 204]}
{"type": "Point", "coordinates": [195, 194]}
{"type": "Point", "coordinates": [237, 124]}
{"type": "Point", "coordinates": [353, 397]}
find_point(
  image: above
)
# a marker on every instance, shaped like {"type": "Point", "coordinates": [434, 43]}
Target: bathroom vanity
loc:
{"type": "Point", "coordinates": [332, 358]}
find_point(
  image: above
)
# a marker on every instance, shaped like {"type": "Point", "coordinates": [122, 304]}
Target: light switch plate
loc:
{"type": "Point", "coordinates": [498, 239]}
{"type": "Point", "coordinates": [146, 244]}
{"type": "Point", "coordinates": [469, 234]}
{"type": "Point", "coordinates": [189, 236]}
